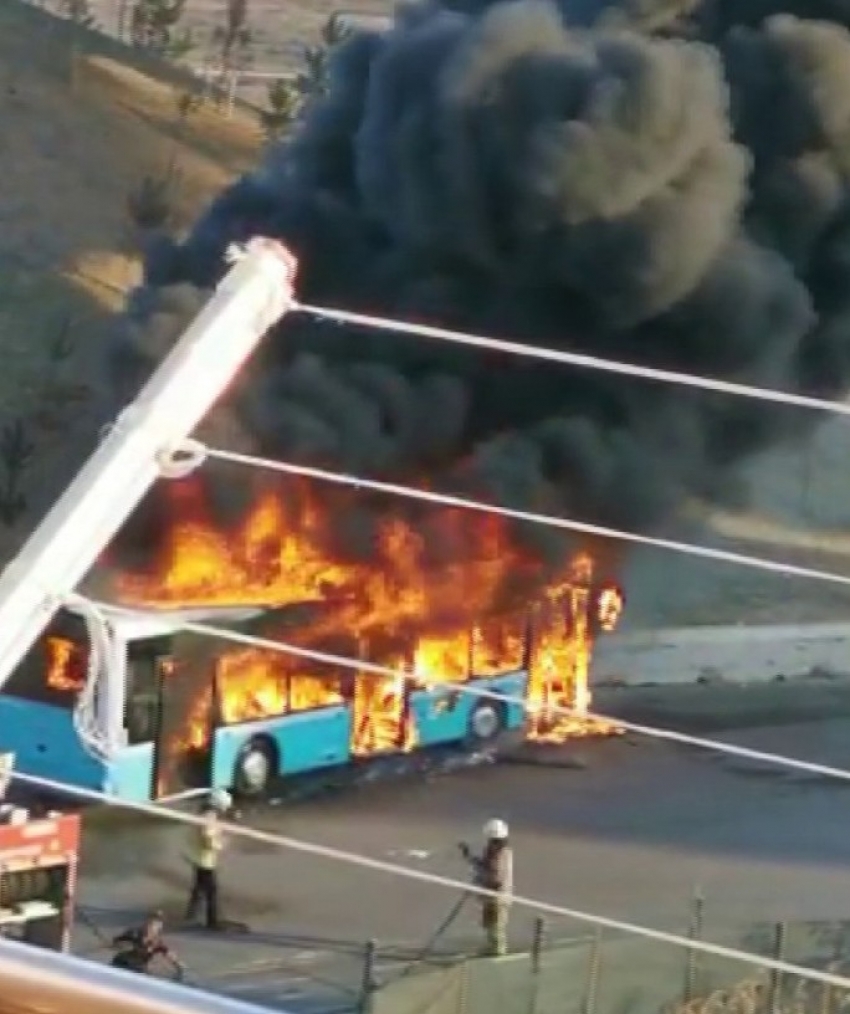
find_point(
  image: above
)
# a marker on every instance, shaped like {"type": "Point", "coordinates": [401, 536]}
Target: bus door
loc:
{"type": "Point", "coordinates": [187, 713]}
{"type": "Point", "coordinates": [168, 705]}
{"type": "Point", "coordinates": [381, 718]}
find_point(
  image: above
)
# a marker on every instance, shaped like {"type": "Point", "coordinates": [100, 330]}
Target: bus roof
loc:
{"type": "Point", "coordinates": [138, 626]}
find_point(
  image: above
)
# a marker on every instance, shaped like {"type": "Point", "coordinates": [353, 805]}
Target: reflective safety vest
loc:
{"type": "Point", "coordinates": [207, 842]}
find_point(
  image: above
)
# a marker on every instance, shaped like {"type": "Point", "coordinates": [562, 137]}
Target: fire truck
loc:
{"type": "Point", "coordinates": [38, 871]}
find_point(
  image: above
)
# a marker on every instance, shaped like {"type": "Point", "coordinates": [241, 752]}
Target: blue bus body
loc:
{"type": "Point", "coordinates": [139, 719]}
{"type": "Point", "coordinates": [303, 742]}
{"type": "Point", "coordinates": [322, 738]}
{"type": "Point", "coordinates": [46, 744]}
{"type": "Point", "coordinates": [442, 715]}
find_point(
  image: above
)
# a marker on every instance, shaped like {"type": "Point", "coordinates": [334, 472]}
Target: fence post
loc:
{"type": "Point", "coordinates": [695, 929]}
{"type": "Point", "coordinates": [232, 88]}
{"type": "Point", "coordinates": [367, 982]}
{"type": "Point", "coordinates": [536, 955]}
{"type": "Point", "coordinates": [594, 969]}
{"type": "Point", "coordinates": [774, 996]}
{"type": "Point", "coordinates": [121, 20]}
{"type": "Point", "coordinates": [463, 990]}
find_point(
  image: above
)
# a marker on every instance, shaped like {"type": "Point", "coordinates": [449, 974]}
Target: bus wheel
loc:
{"type": "Point", "coordinates": [255, 767]}
{"type": "Point", "coordinates": [485, 723]}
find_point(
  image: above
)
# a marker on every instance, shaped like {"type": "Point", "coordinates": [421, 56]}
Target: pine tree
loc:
{"type": "Point", "coordinates": [313, 81]}
{"type": "Point", "coordinates": [155, 25]}
{"type": "Point", "coordinates": [234, 38]}
{"type": "Point", "coordinates": [284, 104]}
{"type": "Point", "coordinates": [78, 11]}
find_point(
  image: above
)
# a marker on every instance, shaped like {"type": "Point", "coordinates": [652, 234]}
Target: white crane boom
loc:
{"type": "Point", "coordinates": [254, 295]}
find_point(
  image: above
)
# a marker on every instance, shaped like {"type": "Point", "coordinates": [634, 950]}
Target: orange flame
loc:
{"type": "Point", "coordinates": [65, 664]}
{"type": "Point", "coordinates": [443, 598]}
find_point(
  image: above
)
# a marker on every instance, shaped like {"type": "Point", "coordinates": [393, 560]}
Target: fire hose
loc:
{"type": "Point", "coordinates": [431, 943]}
{"type": "Point", "coordinates": [107, 943]}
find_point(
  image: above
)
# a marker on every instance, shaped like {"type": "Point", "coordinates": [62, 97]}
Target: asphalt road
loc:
{"type": "Point", "coordinates": [626, 828]}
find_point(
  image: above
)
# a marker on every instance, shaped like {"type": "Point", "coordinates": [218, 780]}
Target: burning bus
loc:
{"type": "Point", "coordinates": [160, 711]}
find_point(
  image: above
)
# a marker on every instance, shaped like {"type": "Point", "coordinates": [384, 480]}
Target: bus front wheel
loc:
{"type": "Point", "coordinates": [255, 768]}
{"type": "Point", "coordinates": [485, 723]}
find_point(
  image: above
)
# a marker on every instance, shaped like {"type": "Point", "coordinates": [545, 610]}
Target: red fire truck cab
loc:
{"type": "Point", "coordinates": [38, 873]}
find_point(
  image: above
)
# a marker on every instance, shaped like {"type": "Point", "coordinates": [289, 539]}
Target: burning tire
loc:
{"type": "Point", "coordinates": [486, 723]}
{"type": "Point", "coordinates": [256, 766]}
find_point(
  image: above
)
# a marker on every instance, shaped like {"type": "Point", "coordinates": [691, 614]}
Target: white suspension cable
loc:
{"type": "Point", "coordinates": [87, 705]}
{"type": "Point", "coordinates": [375, 669]}
{"type": "Point", "coordinates": [581, 360]}
{"type": "Point", "coordinates": [437, 880]}
{"type": "Point", "coordinates": [197, 452]}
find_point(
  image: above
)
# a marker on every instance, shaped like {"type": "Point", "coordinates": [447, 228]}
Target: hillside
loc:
{"type": "Point", "coordinates": [84, 122]}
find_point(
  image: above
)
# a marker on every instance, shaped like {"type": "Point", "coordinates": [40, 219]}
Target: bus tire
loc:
{"type": "Point", "coordinates": [486, 723]}
{"type": "Point", "coordinates": [255, 768]}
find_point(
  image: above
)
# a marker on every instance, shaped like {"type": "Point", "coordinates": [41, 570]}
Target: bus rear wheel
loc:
{"type": "Point", "coordinates": [255, 768]}
{"type": "Point", "coordinates": [486, 723]}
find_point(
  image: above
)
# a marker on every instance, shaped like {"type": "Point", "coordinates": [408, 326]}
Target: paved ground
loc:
{"type": "Point", "coordinates": [627, 828]}
{"type": "Point", "coordinates": [742, 653]}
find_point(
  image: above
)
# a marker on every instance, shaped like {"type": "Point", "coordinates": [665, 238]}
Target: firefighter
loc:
{"type": "Point", "coordinates": [206, 844]}
{"type": "Point", "coordinates": [138, 947]}
{"type": "Point", "coordinates": [494, 870]}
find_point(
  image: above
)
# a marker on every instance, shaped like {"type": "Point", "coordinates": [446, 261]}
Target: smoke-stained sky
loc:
{"type": "Point", "coordinates": [661, 181]}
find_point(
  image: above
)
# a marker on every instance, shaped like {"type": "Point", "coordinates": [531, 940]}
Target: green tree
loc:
{"type": "Point", "coordinates": [313, 81]}
{"type": "Point", "coordinates": [155, 25]}
{"type": "Point", "coordinates": [187, 102]}
{"type": "Point", "coordinates": [234, 39]}
{"type": "Point", "coordinates": [78, 11]}
{"type": "Point", "coordinates": [284, 102]}
{"type": "Point", "coordinates": [151, 205]}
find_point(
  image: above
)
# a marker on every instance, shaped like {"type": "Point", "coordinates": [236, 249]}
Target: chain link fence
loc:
{"type": "Point", "coordinates": [606, 973]}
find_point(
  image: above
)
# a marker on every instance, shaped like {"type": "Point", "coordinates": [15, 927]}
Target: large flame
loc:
{"type": "Point", "coordinates": [449, 596]}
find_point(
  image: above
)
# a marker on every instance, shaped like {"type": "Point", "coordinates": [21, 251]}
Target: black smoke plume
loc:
{"type": "Point", "coordinates": [660, 181]}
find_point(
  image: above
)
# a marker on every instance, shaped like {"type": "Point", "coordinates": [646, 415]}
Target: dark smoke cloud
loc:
{"type": "Point", "coordinates": [595, 177]}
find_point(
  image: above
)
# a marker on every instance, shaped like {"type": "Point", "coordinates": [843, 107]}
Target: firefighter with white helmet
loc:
{"type": "Point", "coordinates": [494, 870]}
{"type": "Point", "coordinates": [495, 830]}
{"type": "Point", "coordinates": [207, 842]}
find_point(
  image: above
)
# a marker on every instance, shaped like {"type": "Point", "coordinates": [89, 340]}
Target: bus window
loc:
{"type": "Point", "coordinates": [314, 690]}
{"type": "Point", "coordinates": [442, 658]}
{"type": "Point", "coordinates": [52, 672]}
{"type": "Point", "coordinates": [65, 664]}
{"type": "Point", "coordinates": [250, 684]}
{"type": "Point", "coordinates": [141, 718]}
{"type": "Point", "coordinates": [499, 646]}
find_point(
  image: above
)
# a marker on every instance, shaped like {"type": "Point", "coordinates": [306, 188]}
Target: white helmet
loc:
{"type": "Point", "coordinates": [221, 800]}
{"type": "Point", "coordinates": [495, 830]}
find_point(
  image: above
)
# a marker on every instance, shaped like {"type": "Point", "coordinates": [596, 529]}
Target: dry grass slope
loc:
{"type": "Point", "coordinates": [84, 121]}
